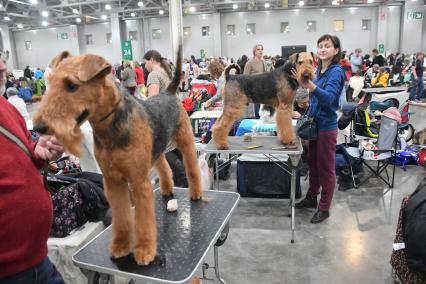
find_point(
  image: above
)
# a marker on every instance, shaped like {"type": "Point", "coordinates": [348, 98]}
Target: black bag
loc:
{"type": "Point", "coordinates": [68, 210]}
{"type": "Point", "coordinates": [307, 128]}
{"type": "Point", "coordinates": [252, 181]}
{"type": "Point", "coordinates": [415, 229]}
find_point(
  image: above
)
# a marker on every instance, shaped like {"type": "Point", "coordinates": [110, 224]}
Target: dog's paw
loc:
{"type": "Point", "coordinates": [144, 256]}
{"type": "Point", "coordinates": [118, 250]}
{"type": "Point", "coordinates": [166, 191]}
{"type": "Point", "coordinates": [196, 194]}
{"type": "Point", "coordinates": [222, 146]}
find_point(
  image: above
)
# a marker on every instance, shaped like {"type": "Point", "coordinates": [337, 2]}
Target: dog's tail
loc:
{"type": "Point", "coordinates": [232, 66]}
{"type": "Point", "coordinates": [173, 86]}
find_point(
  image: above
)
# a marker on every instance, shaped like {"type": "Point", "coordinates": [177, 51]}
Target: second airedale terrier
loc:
{"type": "Point", "coordinates": [130, 137]}
{"type": "Point", "coordinates": [276, 88]}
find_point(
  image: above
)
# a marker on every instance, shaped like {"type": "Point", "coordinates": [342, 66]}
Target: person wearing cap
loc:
{"type": "Point", "coordinates": [25, 205]}
{"type": "Point", "coordinates": [17, 102]}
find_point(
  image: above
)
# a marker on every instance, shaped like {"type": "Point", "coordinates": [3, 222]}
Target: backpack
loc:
{"type": "Point", "coordinates": [415, 229]}
{"type": "Point", "coordinates": [25, 93]}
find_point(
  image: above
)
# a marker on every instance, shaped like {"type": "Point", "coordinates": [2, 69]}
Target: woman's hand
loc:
{"type": "Point", "coordinates": [296, 115]}
{"type": "Point", "coordinates": [208, 103]}
{"type": "Point", "coordinates": [48, 148]}
{"type": "Point", "coordinates": [304, 84]}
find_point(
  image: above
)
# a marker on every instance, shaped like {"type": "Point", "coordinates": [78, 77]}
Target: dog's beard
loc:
{"type": "Point", "coordinates": [70, 138]}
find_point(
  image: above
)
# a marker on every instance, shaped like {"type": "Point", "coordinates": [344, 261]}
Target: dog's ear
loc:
{"type": "Point", "coordinates": [314, 58]}
{"type": "Point", "coordinates": [93, 66]}
{"type": "Point", "coordinates": [55, 61]}
{"type": "Point", "coordinates": [294, 57]}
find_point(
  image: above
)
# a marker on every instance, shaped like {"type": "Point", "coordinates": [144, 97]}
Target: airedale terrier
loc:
{"type": "Point", "coordinates": [276, 88]}
{"type": "Point", "coordinates": [130, 136]}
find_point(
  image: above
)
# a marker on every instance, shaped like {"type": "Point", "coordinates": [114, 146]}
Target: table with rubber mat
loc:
{"type": "Point", "coordinates": [183, 240]}
{"type": "Point", "coordinates": [272, 148]}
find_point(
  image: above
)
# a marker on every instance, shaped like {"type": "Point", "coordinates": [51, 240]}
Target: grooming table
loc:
{"type": "Point", "coordinates": [269, 143]}
{"type": "Point", "coordinates": [384, 90]}
{"type": "Point", "coordinates": [183, 240]}
{"type": "Point", "coordinates": [203, 116]}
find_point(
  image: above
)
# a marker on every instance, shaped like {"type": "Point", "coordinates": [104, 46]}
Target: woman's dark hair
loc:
{"type": "Point", "coordinates": [336, 43]}
{"type": "Point", "coordinates": [156, 56]}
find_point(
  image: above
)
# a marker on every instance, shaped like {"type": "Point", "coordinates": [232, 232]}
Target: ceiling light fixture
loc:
{"type": "Point", "coordinates": [192, 9]}
{"type": "Point", "coordinates": [132, 14]}
{"type": "Point", "coordinates": [301, 3]}
{"type": "Point", "coordinates": [45, 14]}
{"type": "Point", "coordinates": [335, 3]}
{"type": "Point", "coordinates": [140, 4]}
{"type": "Point", "coordinates": [34, 2]}
{"type": "Point", "coordinates": [370, 1]}
{"type": "Point", "coordinates": [44, 24]}
{"type": "Point", "coordinates": [161, 12]}
{"type": "Point", "coordinates": [20, 26]}
{"type": "Point", "coordinates": [107, 7]}
{"type": "Point", "coordinates": [267, 5]}
{"type": "Point", "coordinates": [235, 6]}
{"type": "Point", "coordinates": [1, 5]}
{"type": "Point", "coordinates": [6, 18]}
{"type": "Point", "coordinates": [104, 17]}
{"type": "Point", "coordinates": [78, 20]}
{"type": "Point", "coordinates": [75, 11]}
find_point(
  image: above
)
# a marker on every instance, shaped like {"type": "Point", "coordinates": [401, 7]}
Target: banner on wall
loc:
{"type": "Point", "coordinates": [126, 50]}
{"type": "Point", "coordinates": [381, 48]}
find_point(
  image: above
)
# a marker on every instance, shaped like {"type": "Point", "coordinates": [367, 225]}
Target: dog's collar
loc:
{"type": "Point", "coordinates": [112, 111]}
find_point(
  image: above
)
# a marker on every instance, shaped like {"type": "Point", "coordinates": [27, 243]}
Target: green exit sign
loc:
{"type": "Point", "coordinates": [62, 36]}
{"type": "Point", "coordinates": [415, 15]}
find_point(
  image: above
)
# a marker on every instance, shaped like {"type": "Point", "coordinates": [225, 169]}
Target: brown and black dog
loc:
{"type": "Point", "coordinates": [130, 137]}
{"type": "Point", "coordinates": [276, 88]}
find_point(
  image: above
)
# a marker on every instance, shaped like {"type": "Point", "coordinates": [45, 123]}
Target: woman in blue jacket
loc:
{"type": "Point", "coordinates": [325, 92]}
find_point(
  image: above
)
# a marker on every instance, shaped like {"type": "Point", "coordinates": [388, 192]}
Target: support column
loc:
{"type": "Point", "coordinates": [146, 27]}
{"type": "Point", "coordinates": [74, 47]}
{"type": "Point", "coordinates": [176, 28]}
{"type": "Point", "coordinates": [9, 49]}
{"type": "Point", "coordinates": [116, 38]}
{"type": "Point", "coordinates": [382, 28]}
{"type": "Point", "coordinates": [412, 22]}
{"type": "Point", "coordinates": [217, 36]}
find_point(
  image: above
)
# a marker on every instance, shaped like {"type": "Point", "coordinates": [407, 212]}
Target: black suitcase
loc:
{"type": "Point", "coordinates": [262, 178]}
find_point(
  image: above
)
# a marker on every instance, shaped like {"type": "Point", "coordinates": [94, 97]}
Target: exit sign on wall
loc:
{"type": "Point", "coordinates": [415, 15]}
{"type": "Point", "coordinates": [62, 36]}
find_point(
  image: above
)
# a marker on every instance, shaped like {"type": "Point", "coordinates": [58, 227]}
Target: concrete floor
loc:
{"type": "Point", "coordinates": [352, 246]}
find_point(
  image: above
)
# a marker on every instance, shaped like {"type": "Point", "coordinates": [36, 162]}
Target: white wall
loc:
{"type": "Point", "coordinates": [268, 29]}
{"type": "Point", "coordinates": [45, 46]}
{"type": "Point", "coordinates": [100, 45]}
{"type": "Point", "coordinates": [424, 30]}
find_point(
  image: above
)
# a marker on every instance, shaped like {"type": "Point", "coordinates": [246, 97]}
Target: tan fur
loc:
{"type": "Point", "coordinates": [235, 102]}
{"type": "Point", "coordinates": [123, 168]}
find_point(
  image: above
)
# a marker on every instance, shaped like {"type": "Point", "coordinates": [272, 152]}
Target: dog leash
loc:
{"type": "Point", "coordinates": [112, 111]}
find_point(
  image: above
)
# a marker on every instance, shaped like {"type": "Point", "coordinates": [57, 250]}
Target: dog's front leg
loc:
{"type": "Point", "coordinates": [284, 124]}
{"type": "Point", "coordinates": [145, 224]}
{"type": "Point", "coordinates": [119, 199]}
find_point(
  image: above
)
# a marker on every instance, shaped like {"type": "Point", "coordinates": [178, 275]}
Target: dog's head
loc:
{"type": "Point", "coordinates": [304, 64]}
{"type": "Point", "coordinates": [77, 87]}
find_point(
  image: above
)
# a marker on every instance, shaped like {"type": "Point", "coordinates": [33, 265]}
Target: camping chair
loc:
{"type": "Point", "coordinates": [383, 152]}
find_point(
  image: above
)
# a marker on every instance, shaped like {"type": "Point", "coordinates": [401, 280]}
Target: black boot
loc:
{"type": "Point", "coordinates": [320, 216]}
{"type": "Point", "coordinates": [307, 202]}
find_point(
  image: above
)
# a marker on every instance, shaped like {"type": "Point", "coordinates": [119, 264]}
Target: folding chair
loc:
{"type": "Point", "coordinates": [383, 153]}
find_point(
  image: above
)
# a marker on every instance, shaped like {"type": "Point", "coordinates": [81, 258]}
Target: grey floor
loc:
{"type": "Point", "coordinates": [353, 246]}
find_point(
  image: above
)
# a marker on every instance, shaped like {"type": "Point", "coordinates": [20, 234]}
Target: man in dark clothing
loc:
{"type": "Point", "coordinates": [119, 69]}
{"type": "Point", "coordinates": [27, 73]}
{"type": "Point", "coordinates": [378, 58]}
{"type": "Point", "coordinates": [418, 75]}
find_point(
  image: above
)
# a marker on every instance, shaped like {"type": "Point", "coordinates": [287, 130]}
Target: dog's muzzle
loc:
{"type": "Point", "coordinates": [41, 127]}
{"type": "Point", "coordinates": [306, 76]}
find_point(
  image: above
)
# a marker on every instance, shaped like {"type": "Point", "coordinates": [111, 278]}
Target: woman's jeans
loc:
{"type": "Point", "coordinates": [42, 273]}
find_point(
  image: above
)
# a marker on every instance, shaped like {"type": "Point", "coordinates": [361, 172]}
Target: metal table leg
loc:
{"type": "Point", "coordinates": [294, 159]}
{"type": "Point", "coordinates": [216, 265]}
{"type": "Point", "coordinates": [217, 171]}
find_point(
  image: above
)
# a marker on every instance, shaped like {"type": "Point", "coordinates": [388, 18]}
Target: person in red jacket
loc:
{"type": "Point", "coordinates": [140, 78]}
{"type": "Point", "coordinates": [25, 205]}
